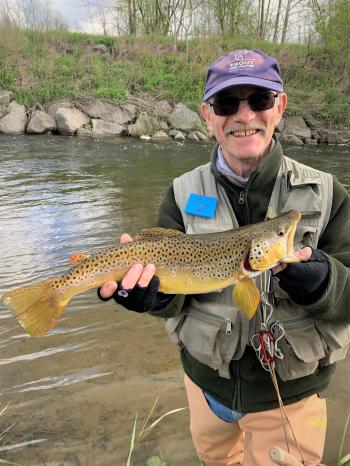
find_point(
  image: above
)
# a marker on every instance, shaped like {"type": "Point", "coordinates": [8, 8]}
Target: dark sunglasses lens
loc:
{"type": "Point", "coordinates": [226, 106]}
{"type": "Point", "coordinates": [258, 102]}
{"type": "Point", "coordinates": [261, 101]}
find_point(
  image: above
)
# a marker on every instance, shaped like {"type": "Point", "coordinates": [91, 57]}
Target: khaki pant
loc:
{"type": "Point", "coordinates": [248, 441]}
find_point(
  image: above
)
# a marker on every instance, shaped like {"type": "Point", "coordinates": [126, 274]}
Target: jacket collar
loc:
{"type": "Point", "coordinates": [262, 177]}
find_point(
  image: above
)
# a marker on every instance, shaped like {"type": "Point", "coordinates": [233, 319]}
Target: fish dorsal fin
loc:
{"type": "Point", "coordinates": [246, 296]}
{"type": "Point", "coordinates": [157, 233]}
{"type": "Point", "coordinates": [78, 258]}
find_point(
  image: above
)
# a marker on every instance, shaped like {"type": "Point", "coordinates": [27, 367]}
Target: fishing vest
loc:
{"type": "Point", "coordinates": [210, 326]}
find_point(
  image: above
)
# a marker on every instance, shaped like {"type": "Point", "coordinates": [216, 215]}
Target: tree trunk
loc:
{"type": "Point", "coordinates": [286, 21]}
{"type": "Point", "coordinates": [277, 21]}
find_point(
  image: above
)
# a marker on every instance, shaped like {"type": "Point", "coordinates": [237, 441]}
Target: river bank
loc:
{"type": "Point", "coordinates": [135, 85]}
{"type": "Point", "coordinates": [141, 118]}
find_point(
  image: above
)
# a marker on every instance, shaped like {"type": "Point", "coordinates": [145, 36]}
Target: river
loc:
{"type": "Point", "coordinates": [73, 395]}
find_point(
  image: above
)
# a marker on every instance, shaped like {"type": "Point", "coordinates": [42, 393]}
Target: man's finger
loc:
{"type": "Point", "coordinates": [304, 254]}
{"type": "Point", "coordinates": [278, 268]}
{"type": "Point", "coordinates": [125, 238]}
{"type": "Point", "coordinates": [146, 275]}
{"type": "Point", "coordinates": [132, 276]}
{"type": "Point", "coordinates": [107, 289]}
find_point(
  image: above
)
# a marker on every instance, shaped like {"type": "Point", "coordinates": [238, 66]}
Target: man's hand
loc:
{"type": "Point", "coordinates": [306, 281]}
{"type": "Point", "coordinates": [138, 291]}
{"type": "Point", "coordinates": [303, 254]}
{"type": "Point", "coordinates": [137, 274]}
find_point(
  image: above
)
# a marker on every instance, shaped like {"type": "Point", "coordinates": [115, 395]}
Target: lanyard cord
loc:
{"type": "Point", "coordinates": [265, 345]}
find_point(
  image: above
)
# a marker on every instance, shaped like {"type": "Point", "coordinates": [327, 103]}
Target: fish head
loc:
{"type": "Point", "coordinates": [274, 243]}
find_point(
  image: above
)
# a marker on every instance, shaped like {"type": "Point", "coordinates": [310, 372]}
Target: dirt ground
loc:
{"type": "Point", "coordinates": [79, 420]}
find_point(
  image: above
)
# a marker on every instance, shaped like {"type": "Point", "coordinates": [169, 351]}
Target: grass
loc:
{"type": "Point", "coordinates": [3, 433]}
{"type": "Point", "coordinates": [147, 427]}
{"type": "Point", "coordinates": [41, 67]}
{"type": "Point", "coordinates": [341, 461]}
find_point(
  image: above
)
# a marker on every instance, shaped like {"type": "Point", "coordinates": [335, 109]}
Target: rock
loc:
{"type": "Point", "coordinates": [201, 136]}
{"type": "Point", "coordinates": [15, 121]}
{"type": "Point", "coordinates": [327, 136]}
{"type": "Point", "coordinates": [132, 109]}
{"type": "Point", "coordinates": [183, 118]}
{"type": "Point", "coordinates": [180, 136]}
{"type": "Point", "coordinates": [110, 112]}
{"type": "Point", "coordinates": [54, 106]}
{"type": "Point", "coordinates": [160, 135]}
{"type": "Point", "coordinates": [107, 128]}
{"type": "Point", "coordinates": [69, 120]}
{"type": "Point", "coordinates": [3, 111]}
{"type": "Point", "coordinates": [164, 125]}
{"type": "Point", "coordinates": [84, 132]}
{"type": "Point", "coordinates": [41, 122]}
{"type": "Point", "coordinates": [310, 121]}
{"type": "Point", "coordinates": [145, 124]}
{"type": "Point", "coordinates": [296, 126]}
{"type": "Point", "coordinates": [192, 136]}
{"type": "Point", "coordinates": [5, 97]}
{"type": "Point", "coordinates": [162, 108]}
{"type": "Point", "coordinates": [291, 139]}
{"type": "Point", "coordinates": [315, 135]}
{"type": "Point", "coordinates": [173, 132]}
{"type": "Point", "coordinates": [311, 142]}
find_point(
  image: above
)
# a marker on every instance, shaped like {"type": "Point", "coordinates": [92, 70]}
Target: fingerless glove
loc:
{"type": "Point", "coordinates": [140, 299]}
{"type": "Point", "coordinates": [305, 282]}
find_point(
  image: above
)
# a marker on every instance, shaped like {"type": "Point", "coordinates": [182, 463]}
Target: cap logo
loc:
{"type": "Point", "coordinates": [240, 62]}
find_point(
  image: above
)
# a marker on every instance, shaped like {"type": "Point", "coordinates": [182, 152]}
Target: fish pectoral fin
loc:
{"type": "Point", "coordinates": [246, 296]}
{"type": "Point", "coordinates": [78, 258]}
{"type": "Point", "coordinates": [157, 233]}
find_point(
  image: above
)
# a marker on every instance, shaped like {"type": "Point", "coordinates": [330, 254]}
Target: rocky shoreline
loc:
{"type": "Point", "coordinates": [140, 118]}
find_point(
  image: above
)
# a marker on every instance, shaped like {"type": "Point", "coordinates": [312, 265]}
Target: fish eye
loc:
{"type": "Point", "coordinates": [281, 233]}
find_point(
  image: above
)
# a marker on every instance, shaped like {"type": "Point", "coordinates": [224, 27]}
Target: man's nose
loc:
{"type": "Point", "coordinates": [244, 112]}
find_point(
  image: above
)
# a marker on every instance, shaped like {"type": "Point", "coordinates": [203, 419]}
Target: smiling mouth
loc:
{"type": "Point", "coordinates": [243, 133]}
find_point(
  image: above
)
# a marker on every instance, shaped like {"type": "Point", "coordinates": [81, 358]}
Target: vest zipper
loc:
{"type": "Point", "coordinates": [214, 319]}
{"type": "Point", "coordinates": [241, 198]}
{"type": "Point", "coordinates": [286, 176]}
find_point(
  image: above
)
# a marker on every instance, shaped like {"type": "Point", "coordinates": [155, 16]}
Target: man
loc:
{"type": "Point", "coordinates": [235, 418]}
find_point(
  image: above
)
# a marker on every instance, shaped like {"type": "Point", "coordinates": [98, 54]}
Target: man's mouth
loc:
{"type": "Point", "coordinates": [243, 133]}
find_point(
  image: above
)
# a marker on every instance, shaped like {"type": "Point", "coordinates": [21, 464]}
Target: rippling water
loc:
{"type": "Point", "coordinates": [74, 393]}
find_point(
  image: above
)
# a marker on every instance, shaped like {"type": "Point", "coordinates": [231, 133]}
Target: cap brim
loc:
{"type": "Point", "coordinates": [244, 81]}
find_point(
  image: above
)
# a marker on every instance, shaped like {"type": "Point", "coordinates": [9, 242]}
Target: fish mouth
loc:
{"type": "Point", "coordinates": [246, 267]}
{"type": "Point", "coordinates": [246, 264]}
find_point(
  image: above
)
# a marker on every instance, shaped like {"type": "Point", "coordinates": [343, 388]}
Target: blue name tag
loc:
{"type": "Point", "coordinates": [201, 206]}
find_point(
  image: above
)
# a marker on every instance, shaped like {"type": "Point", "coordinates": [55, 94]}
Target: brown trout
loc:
{"type": "Point", "coordinates": [185, 264]}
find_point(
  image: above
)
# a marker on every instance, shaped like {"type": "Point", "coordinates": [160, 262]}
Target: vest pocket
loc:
{"type": "Point", "coordinates": [302, 348]}
{"type": "Point", "coordinates": [206, 337]}
{"type": "Point", "coordinates": [336, 338]}
{"type": "Point", "coordinates": [173, 325]}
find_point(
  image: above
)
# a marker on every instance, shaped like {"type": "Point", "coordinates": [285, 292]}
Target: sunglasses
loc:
{"type": "Point", "coordinates": [229, 105]}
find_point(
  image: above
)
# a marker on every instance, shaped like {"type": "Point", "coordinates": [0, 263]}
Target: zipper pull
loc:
{"type": "Point", "coordinates": [228, 327]}
{"type": "Point", "coordinates": [286, 175]}
{"type": "Point", "coordinates": [241, 198]}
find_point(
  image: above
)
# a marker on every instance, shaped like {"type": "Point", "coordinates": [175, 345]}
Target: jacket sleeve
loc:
{"type": "Point", "coordinates": [170, 216]}
{"type": "Point", "coordinates": [334, 304]}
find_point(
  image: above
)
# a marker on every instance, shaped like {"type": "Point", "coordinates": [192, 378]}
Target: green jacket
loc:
{"type": "Point", "coordinates": [250, 204]}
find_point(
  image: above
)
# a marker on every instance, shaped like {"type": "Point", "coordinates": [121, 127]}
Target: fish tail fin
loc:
{"type": "Point", "coordinates": [37, 307]}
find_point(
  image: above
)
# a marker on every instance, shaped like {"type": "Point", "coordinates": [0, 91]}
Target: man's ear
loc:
{"type": "Point", "coordinates": [207, 115]}
{"type": "Point", "coordinates": [282, 104]}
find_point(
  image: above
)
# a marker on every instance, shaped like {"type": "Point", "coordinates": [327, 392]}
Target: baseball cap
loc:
{"type": "Point", "coordinates": [243, 67]}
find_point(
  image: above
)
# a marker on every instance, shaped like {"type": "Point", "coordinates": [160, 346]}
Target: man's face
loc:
{"type": "Point", "coordinates": [245, 136]}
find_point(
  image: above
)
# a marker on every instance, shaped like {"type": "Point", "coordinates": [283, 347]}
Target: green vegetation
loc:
{"type": "Point", "coordinates": [146, 428]}
{"type": "Point", "coordinates": [43, 66]}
